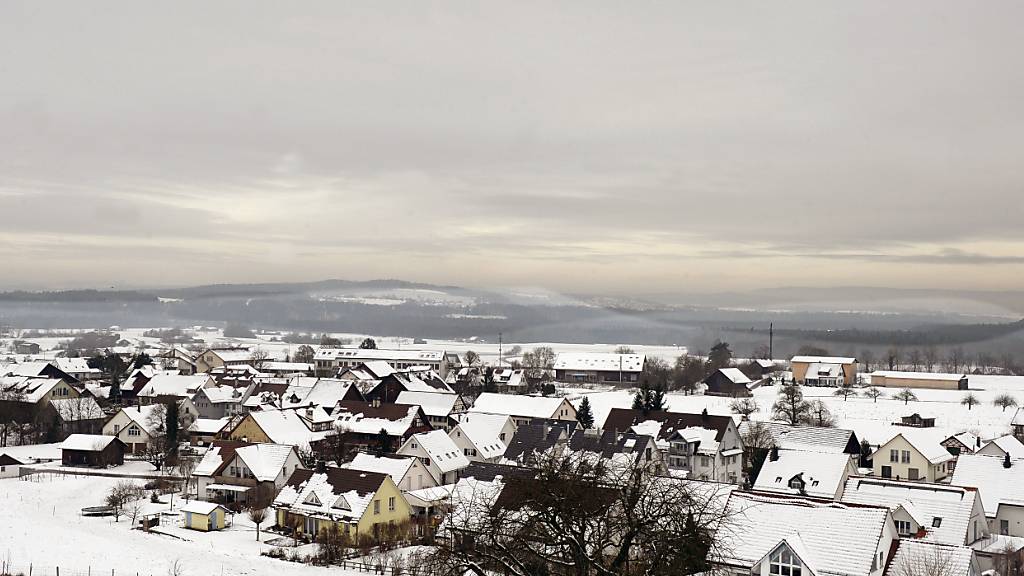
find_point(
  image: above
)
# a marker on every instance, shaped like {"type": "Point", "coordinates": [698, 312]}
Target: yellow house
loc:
{"type": "Point", "coordinates": [359, 503]}
{"type": "Point", "coordinates": [204, 516]}
{"type": "Point", "coordinates": [909, 456]}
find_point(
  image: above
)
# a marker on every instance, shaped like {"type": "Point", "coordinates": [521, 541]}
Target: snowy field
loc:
{"type": "Point", "coordinates": [870, 420]}
{"type": "Point", "coordinates": [43, 527]}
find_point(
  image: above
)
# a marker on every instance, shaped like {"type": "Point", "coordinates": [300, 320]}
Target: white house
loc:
{"type": "Point", "coordinates": [943, 514]}
{"type": "Point", "coordinates": [1002, 446]}
{"type": "Point", "coordinates": [230, 470]}
{"type": "Point", "coordinates": [1001, 484]}
{"type": "Point", "coordinates": [777, 536]}
{"type": "Point", "coordinates": [136, 426]}
{"type": "Point", "coordinates": [438, 454]}
{"type": "Point", "coordinates": [483, 437]}
{"type": "Point", "coordinates": [912, 455]}
{"type": "Point", "coordinates": [438, 406]}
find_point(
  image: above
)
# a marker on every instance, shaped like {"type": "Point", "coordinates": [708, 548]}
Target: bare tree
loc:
{"type": "Point", "coordinates": [956, 359]}
{"type": "Point", "coordinates": [257, 515]}
{"type": "Point", "coordinates": [624, 350]}
{"type": "Point", "coordinates": [867, 359]}
{"type": "Point", "coordinates": [790, 407]}
{"type": "Point", "coordinates": [892, 358]}
{"type": "Point", "coordinates": [874, 393]}
{"type": "Point", "coordinates": [931, 358]}
{"type": "Point", "coordinates": [923, 560]}
{"type": "Point", "coordinates": [121, 494]}
{"type": "Point", "coordinates": [186, 467]}
{"type": "Point", "coordinates": [744, 407]}
{"type": "Point", "coordinates": [583, 516]}
{"type": "Point", "coordinates": [915, 359]}
{"type": "Point", "coordinates": [1004, 401]}
{"type": "Point", "coordinates": [819, 415]}
{"type": "Point", "coordinates": [845, 390]}
{"type": "Point", "coordinates": [258, 357]}
{"type": "Point", "coordinates": [970, 400]}
{"type": "Point", "coordinates": [906, 395]}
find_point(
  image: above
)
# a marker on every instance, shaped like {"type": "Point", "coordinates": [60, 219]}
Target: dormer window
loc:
{"type": "Point", "coordinates": [341, 504]}
{"type": "Point", "coordinates": [783, 562]}
{"type": "Point", "coordinates": [936, 522]}
{"type": "Point", "coordinates": [312, 500]}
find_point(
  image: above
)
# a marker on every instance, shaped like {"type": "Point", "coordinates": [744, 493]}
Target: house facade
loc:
{"type": "Point", "coordinates": [906, 457]}
{"type": "Point", "coordinates": [597, 367]}
{"type": "Point", "coordinates": [824, 370]}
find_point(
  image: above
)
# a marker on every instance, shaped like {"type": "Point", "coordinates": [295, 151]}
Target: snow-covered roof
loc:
{"type": "Point", "coordinates": [395, 466]}
{"type": "Point", "coordinates": [367, 355]}
{"type": "Point", "coordinates": [835, 540]}
{"type": "Point", "coordinates": [223, 394]}
{"type": "Point", "coordinates": [896, 374]}
{"type": "Point", "coordinates": [925, 442]}
{"type": "Point", "coordinates": [234, 355]}
{"type": "Point", "coordinates": [484, 430]}
{"type": "Point", "coordinates": [87, 442]}
{"type": "Point", "coordinates": [175, 385]}
{"type": "Point", "coordinates": [806, 438]}
{"type": "Point", "coordinates": [201, 507]}
{"type": "Point", "coordinates": [437, 404]}
{"type": "Point", "coordinates": [29, 369]}
{"type": "Point", "coordinates": [144, 416]}
{"type": "Point", "coordinates": [286, 367]}
{"type": "Point", "coordinates": [208, 425]}
{"type": "Point", "coordinates": [968, 439]}
{"type": "Point", "coordinates": [996, 484]}
{"type": "Point", "coordinates": [600, 361]}
{"type": "Point", "coordinates": [76, 366]}
{"type": "Point", "coordinates": [440, 448]}
{"type": "Point", "coordinates": [735, 375]}
{"type": "Point", "coordinates": [823, 370]}
{"type": "Point", "coordinates": [265, 461]}
{"type": "Point", "coordinates": [325, 392]}
{"type": "Point", "coordinates": [822, 474]}
{"type": "Point", "coordinates": [823, 359]}
{"type": "Point", "coordinates": [29, 389]}
{"type": "Point", "coordinates": [517, 405]}
{"type": "Point", "coordinates": [1018, 418]}
{"type": "Point", "coordinates": [1007, 445]}
{"type": "Point", "coordinates": [338, 494]}
{"type": "Point", "coordinates": [287, 427]}
{"type": "Point", "coordinates": [76, 409]}
{"type": "Point", "coordinates": [363, 418]}
{"type": "Point", "coordinates": [924, 501]}
{"type": "Point", "coordinates": [918, 557]}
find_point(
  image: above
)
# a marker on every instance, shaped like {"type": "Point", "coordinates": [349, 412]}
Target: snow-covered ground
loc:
{"type": "Point", "coordinates": [870, 420]}
{"type": "Point", "coordinates": [43, 527]}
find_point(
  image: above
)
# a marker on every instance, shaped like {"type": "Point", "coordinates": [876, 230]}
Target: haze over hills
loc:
{"type": "Point", "coordinates": [842, 319]}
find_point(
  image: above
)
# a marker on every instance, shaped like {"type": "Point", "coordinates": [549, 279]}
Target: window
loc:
{"type": "Point", "coordinates": [796, 484]}
{"type": "Point", "coordinates": [376, 506]}
{"type": "Point", "coordinates": [903, 527]}
{"type": "Point", "coordinates": [117, 428]}
{"type": "Point", "coordinates": [936, 522]}
{"type": "Point", "coordinates": [906, 457]}
{"type": "Point", "coordinates": [894, 455]}
{"type": "Point", "coordinates": [501, 436]}
{"type": "Point", "coordinates": [1004, 527]}
{"type": "Point", "coordinates": [782, 562]}
{"type": "Point", "coordinates": [391, 504]}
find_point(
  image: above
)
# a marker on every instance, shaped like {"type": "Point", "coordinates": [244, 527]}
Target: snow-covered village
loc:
{"type": "Point", "coordinates": [530, 288]}
{"type": "Point", "coordinates": [251, 455]}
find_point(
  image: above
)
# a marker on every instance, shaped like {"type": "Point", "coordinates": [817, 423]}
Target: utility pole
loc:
{"type": "Point", "coordinates": [771, 341]}
{"type": "Point", "coordinates": [499, 350]}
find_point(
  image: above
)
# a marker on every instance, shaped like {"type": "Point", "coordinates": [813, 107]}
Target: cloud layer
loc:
{"type": "Point", "coordinates": [587, 147]}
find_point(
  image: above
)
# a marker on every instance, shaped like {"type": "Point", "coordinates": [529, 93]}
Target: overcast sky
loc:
{"type": "Point", "coordinates": [619, 147]}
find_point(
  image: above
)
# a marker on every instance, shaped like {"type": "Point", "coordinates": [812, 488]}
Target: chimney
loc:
{"type": "Point", "coordinates": [977, 441]}
{"type": "Point", "coordinates": [309, 412]}
{"type": "Point", "coordinates": [1006, 461]}
{"type": "Point", "coordinates": [774, 455]}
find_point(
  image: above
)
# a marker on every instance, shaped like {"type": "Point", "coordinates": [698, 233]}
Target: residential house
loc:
{"type": "Point", "coordinates": [391, 386]}
{"type": "Point", "coordinates": [537, 437]}
{"type": "Point", "coordinates": [438, 406]}
{"type": "Point", "coordinates": [220, 357]}
{"type": "Point", "coordinates": [804, 438]}
{"type": "Point", "coordinates": [942, 514]}
{"type": "Point", "coordinates": [204, 516]}
{"type": "Point", "coordinates": [483, 437]}
{"type": "Point", "coordinates": [699, 446]}
{"type": "Point", "coordinates": [163, 387]}
{"type": "Point", "coordinates": [1002, 446]}
{"type": "Point", "coordinates": [933, 380]}
{"type": "Point", "coordinates": [729, 382]}
{"type": "Point", "coordinates": [216, 402]}
{"type": "Point", "coordinates": [524, 409]}
{"type": "Point", "coordinates": [26, 397]}
{"type": "Point", "coordinates": [92, 450]}
{"type": "Point", "coordinates": [329, 361]}
{"type": "Point", "coordinates": [1000, 481]}
{"type": "Point", "coordinates": [39, 369]}
{"type": "Point", "coordinates": [359, 503]}
{"type": "Point", "coordinates": [800, 537]}
{"type": "Point", "coordinates": [245, 473]}
{"type": "Point", "coordinates": [962, 443]}
{"type": "Point", "coordinates": [407, 472]}
{"type": "Point", "coordinates": [810, 474]}
{"type": "Point", "coordinates": [287, 368]}
{"type": "Point", "coordinates": [823, 370]}
{"type": "Point", "coordinates": [628, 448]}
{"type": "Point", "coordinates": [1017, 423]}
{"type": "Point", "coordinates": [78, 368]}
{"type": "Point", "coordinates": [204, 430]}
{"type": "Point", "coordinates": [919, 557]}
{"type": "Point", "coordinates": [362, 423]}
{"type": "Point", "coordinates": [80, 415]}
{"type": "Point", "coordinates": [26, 348]}
{"type": "Point", "coordinates": [912, 456]}
{"type": "Point", "coordinates": [597, 367]}
{"type": "Point", "coordinates": [137, 426]}
{"type": "Point", "coordinates": [438, 453]}
{"type": "Point", "coordinates": [10, 467]}
{"type": "Point", "coordinates": [299, 427]}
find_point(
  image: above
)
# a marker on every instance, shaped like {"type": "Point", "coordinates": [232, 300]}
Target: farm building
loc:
{"type": "Point", "coordinates": [92, 450]}
{"type": "Point", "coordinates": [894, 379]}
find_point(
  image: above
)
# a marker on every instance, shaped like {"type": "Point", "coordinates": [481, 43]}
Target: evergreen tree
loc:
{"type": "Point", "coordinates": [585, 415]}
{"type": "Point", "coordinates": [142, 359]}
{"type": "Point", "coordinates": [173, 425]}
{"type": "Point", "coordinates": [383, 442]}
{"type": "Point", "coordinates": [368, 344]}
{"type": "Point", "coordinates": [115, 389]}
